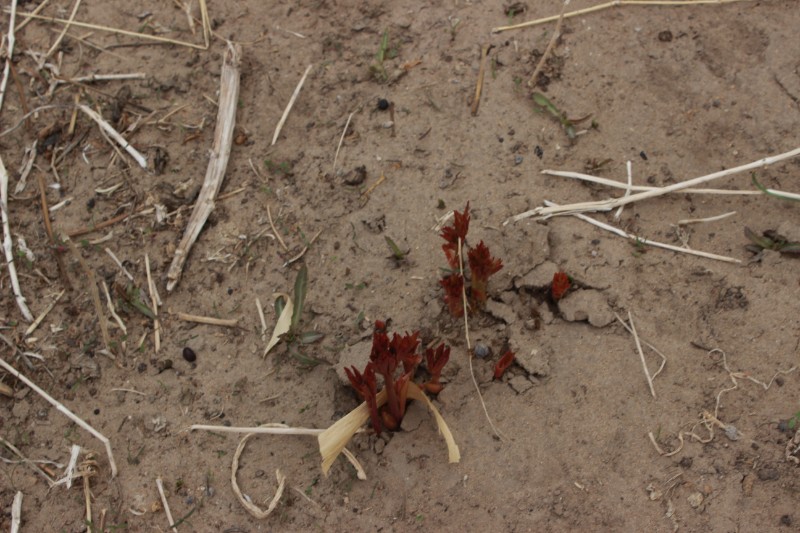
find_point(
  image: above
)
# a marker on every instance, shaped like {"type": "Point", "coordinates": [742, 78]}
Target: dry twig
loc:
{"type": "Point", "coordinates": [289, 105]}
{"type": "Point", "coordinates": [7, 245]}
{"type": "Point", "coordinates": [16, 512]}
{"type": "Point", "coordinates": [550, 46]}
{"type": "Point", "coordinates": [226, 322]}
{"type": "Point", "coordinates": [9, 52]}
{"type": "Point", "coordinates": [476, 99]}
{"type": "Point", "coordinates": [217, 164]}
{"type": "Point", "coordinates": [164, 502]}
{"type": "Point", "coordinates": [607, 5]}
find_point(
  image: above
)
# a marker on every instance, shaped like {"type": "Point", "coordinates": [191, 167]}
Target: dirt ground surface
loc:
{"type": "Point", "coordinates": [680, 92]}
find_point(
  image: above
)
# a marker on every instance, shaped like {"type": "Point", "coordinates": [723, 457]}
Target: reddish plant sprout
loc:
{"type": "Point", "coordinates": [453, 285]}
{"type": "Point", "coordinates": [481, 266]}
{"type": "Point", "coordinates": [479, 261]}
{"type": "Point", "coordinates": [503, 364]}
{"type": "Point", "coordinates": [560, 286]}
{"type": "Point", "coordinates": [455, 233]}
{"type": "Point", "coordinates": [367, 389]}
{"type": "Point", "coordinates": [435, 361]}
{"type": "Point", "coordinates": [386, 357]}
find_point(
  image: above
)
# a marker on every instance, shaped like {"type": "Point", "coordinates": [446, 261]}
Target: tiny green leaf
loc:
{"type": "Point", "coordinates": [396, 251]}
{"type": "Point", "coordinates": [300, 289]}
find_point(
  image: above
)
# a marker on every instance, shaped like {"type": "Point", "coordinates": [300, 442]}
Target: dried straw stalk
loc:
{"type": "Point", "coordinates": [7, 245]}
{"type": "Point", "coordinates": [220, 153]}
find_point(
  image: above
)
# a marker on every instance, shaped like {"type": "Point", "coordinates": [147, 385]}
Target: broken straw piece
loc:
{"type": "Point", "coordinates": [217, 164]}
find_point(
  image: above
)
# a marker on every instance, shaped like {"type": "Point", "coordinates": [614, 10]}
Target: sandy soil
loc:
{"type": "Point", "coordinates": [679, 91]}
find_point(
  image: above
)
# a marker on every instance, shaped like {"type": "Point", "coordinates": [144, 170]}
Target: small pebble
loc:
{"type": "Point", "coordinates": [786, 520]}
{"type": "Point", "coordinates": [481, 351]}
{"type": "Point", "coordinates": [517, 160]}
{"type": "Point", "coordinates": [538, 151]}
{"type": "Point", "coordinates": [383, 104]}
{"type": "Point", "coordinates": [665, 36]}
{"type": "Point", "coordinates": [189, 355]}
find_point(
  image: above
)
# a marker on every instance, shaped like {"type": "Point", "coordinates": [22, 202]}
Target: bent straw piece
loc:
{"type": "Point", "coordinates": [687, 221]}
{"type": "Point", "coordinates": [333, 440]}
{"type": "Point", "coordinates": [106, 127]}
{"type": "Point", "coordinates": [641, 355]}
{"type": "Point", "coordinates": [648, 242]}
{"type": "Point", "coordinates": [7, 245]}
{"type": "Point", "coordinates": [415, 393]}
{"type": "Point", "coordinates": [69, 414]}
{"type": "Point", "coordinates": [250, 507]}
{"type": "Point", "coordinates": [639, 188]}
{"type": "Point", "coordinates": [217, 164]}
{"type": "Point", "coordinates": [9, 52]}
{"type": "Point", "coordinates": [289, 106]}
{"type": "Point", "coordinates": [607, 205]}
{"type": "Point", "coordinates": [79, 24]}
{"type": "Point", "coordinates": [607, 5]}
{"type": "Point", "coordinates": [628, 189]}
{"type": "Point", "coordinates": [43, 314]}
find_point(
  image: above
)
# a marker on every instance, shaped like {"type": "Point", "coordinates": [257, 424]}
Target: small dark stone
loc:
{"type": "Point", "coordinates": [227, 423]}
{"type": "Point", "coordinates": [686, 462]}
{"type": "Point", "coordinates": [383, 104]}
{"type": "Point", "coordinates": [230, 291]}
{"type": "Point", "coordinates": [90, 203]}
{"type": "Point", "coordinates": [97, 411]}
{"type": "Point", "coordinates": [665, 36]}
{"type": "Point", "coordinates": [141, 367]}
{"type": "Point", "coordinates": [768, 474]}
{"type": "Point", "coordinates": [786, 520]}
{"type": "Point", "coordinates": [517, 160]}
{"type": "Point", "coordinates": [538, 151]}
{"type": "Point", "coordinates": [779, 381]}
{"type": "Point", "coordinates": [189, 355]}
{"type": "Point", "coordinates": [643, 155]}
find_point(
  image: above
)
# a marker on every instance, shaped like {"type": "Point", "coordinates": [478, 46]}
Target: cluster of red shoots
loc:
{"type": "Point", "coordinates": [480, 262]}
{"type": "Point", "coordinates": [387, 357]}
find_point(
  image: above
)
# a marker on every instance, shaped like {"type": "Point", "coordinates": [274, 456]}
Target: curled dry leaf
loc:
{"type": "Point", "coordinates": [284, 323]}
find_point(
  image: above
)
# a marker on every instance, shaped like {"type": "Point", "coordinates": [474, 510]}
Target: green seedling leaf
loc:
{"type": "Point", "coordinates": [762, 242]}
{"type": "Point", "coordinates": [396, 251]}
{"type": "Point", "coordinates": [790, 248]}
{"type": "Point", "coordinates": [280, 303]}
{"type": "Point", "coordinates": [284, 323]}
{"type": "Point", "coordinates": [134, 297]}
{"type": "Point", "coordinates": [310, 337]}
{"type": "Point", "coordinates": [542, 101]}
{"type": "Point", "coordinates": [300, 289]}
{"type": "Point", "coordinates": [381, 55]}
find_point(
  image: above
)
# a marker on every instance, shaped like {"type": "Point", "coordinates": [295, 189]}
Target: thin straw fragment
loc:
{"type": "Point", "coordinates": [16, 507]}
{"type": "Point", "coordinates": [165, 503]}
{"type": "Point", "coordinates": [7, 246]}
{"type": "Point", "coordinates": [69, 414]}
{"type": "Point", "coordinates": [9, 52]}
{"type": "Point", "coordinates": [114, 134]}
{"type": "Point", "coordinates": [289, 106]}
